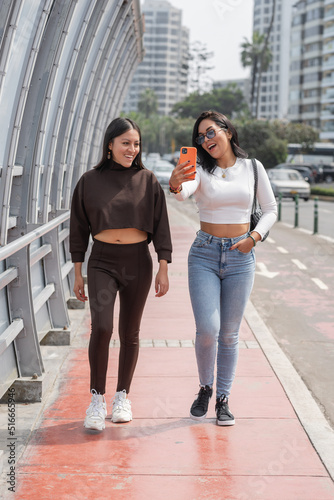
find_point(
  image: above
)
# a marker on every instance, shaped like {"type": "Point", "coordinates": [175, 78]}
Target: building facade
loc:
{"type": "Point", "coordinates": [164, 68]}
{"type": "Point", "coordinates": [274, 89]}
{"type": "Point", "coordinates": [327, 84]}
{"type": "Point", "coordinates": [306, 62]}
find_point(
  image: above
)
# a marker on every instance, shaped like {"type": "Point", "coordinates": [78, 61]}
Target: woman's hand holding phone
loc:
{"type": "Point", "coordinates": [185, 170]}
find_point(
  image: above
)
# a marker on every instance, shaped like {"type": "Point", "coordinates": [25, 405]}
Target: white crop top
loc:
{"type": "Point", "coordinates": [229, 200]}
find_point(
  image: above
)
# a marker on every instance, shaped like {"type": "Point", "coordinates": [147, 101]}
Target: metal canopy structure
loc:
{"type": "Point", "coordinates": [65, 66]}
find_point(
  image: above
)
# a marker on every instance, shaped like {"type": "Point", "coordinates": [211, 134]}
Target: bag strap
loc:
{"type": "Point", "coordinates": [255, 183]}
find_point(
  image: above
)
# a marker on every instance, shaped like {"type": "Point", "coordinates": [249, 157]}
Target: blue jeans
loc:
{"type": "Point", "coordinates": [220, 283]}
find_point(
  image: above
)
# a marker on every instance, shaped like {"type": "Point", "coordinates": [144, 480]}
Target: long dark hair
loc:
{"type": "Point", "coordinates": [118, 127]}
{"type": "Point", "coordinates": [205, 159]}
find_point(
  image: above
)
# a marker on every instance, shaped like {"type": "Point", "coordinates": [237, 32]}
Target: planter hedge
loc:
{"type": "Point", "coordinates": [322, 191]}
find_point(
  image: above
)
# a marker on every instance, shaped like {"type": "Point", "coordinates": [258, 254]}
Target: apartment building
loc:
{"type": "Point", "coordinates": [274, 89]}
{"type": "Point", "coordinates": [306, 62]}
{"type": "Point", "coordinates": [327, 84]}
{"type": "Point", "coordinates": [164, 68]}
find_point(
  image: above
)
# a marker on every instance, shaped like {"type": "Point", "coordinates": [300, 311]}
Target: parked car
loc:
{"type": "Point", "coordinates": [288, 183]}
{"type": "Point", "coordinates": [318, 171]}
{"type": "Point", "coordinates": [328, 173]}
{"type": "Point", "coordinates": [171, 157]}
{"type": "Point", "coordinates": [154, 156]}
{"type": "Point", "coordinates": [162, 170]}
{"type": "Point", "coordinates": [306, 170]}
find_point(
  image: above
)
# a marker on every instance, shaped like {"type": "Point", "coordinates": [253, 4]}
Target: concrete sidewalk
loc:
{"type": "Point", "coordinates": [163, 454]}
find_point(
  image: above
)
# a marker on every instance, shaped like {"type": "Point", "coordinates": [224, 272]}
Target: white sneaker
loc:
{"type": "Point", "coordinates": [121, 408]}
{"type": "Point", "coordinates": [96, 412]}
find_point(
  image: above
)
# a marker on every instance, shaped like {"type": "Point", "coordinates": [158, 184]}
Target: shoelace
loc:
{"type": "Point", "coordinates": [222, 407]}
{"type": "Point", "coordinates": [96, 406]}
{"type": "Point", "coordinates": [203, 397]}
{"type": "Point", "coordinates": [121, 403]}
{"type": "Point", "coordinates": [120, 400]}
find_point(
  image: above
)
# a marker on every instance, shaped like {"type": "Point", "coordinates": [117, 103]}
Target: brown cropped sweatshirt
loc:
{"type": "Point", "coordinates": [119, 197]}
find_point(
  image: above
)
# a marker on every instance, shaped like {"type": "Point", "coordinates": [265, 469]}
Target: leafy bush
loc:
{"type": "Point", "coordinates": [322, 191]}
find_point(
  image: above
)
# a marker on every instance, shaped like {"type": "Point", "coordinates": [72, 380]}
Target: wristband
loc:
{"type": "Point", "coordinates": [254, 240]}
{"type": "Point", "coordinates": [174, 190]}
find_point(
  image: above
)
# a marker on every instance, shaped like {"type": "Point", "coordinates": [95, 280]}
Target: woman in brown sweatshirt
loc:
{"type": "Point", "coordinates": [122, 206]}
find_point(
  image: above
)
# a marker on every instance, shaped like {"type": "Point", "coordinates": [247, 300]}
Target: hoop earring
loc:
{"type": "Point", "coordinates": [108, 155]}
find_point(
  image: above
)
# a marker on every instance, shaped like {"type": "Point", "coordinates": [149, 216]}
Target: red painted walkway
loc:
{"type": "Point", "coordinates": [162, 454]}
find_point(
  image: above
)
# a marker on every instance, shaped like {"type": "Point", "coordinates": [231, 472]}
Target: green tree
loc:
{"type": "Point", "coordinates": [199, 65]}
{"type": "Point", "coordinates": [303, 134]}
{"type": "Point", "coordinates": [182, 133]}
{"type": "Point", "coordinates": [258, 56]}
{"type": "Point", "coordinates": [162, 133]}
{"type": "Point", "coordinates": [148, 102]}
{"type": "Point", "coordinates": [250, 57]}
{"type": "Point", "coordinates": [228, 100]}
{"type": "Point", "coordinates": [259, 140]}
{"type": "Point", "coordinates": [296, 133]}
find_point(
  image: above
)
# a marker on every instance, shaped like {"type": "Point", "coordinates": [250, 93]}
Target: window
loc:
{"type": "Point", "coordinates": [313, 31]}
{"type": "Point", "coordinates": [314, 14]}
{"type": "Point", "coordinates": [295, 80]}
{"type": "Point", "coordinates": [312, 77]}
{"type": "Point", "coordinates": [160, 30]}
{"type": "Point", "coordinates": [162, 17]}
{"type": "Point", "coordinates": [294, 95]}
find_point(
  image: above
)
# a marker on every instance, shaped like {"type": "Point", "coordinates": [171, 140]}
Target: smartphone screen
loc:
{"type": "Point", "coordinates": [189, 153]}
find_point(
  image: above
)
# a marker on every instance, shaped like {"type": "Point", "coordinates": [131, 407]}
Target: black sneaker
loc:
{"type": "Point", "coordinates": [199, 408]}
{"type": "Point", "coordinates": [224, 416]}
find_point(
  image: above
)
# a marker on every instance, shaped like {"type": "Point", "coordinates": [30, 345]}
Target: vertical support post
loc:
{"type": "Point", "coordinates": [316, 215]}
{"type": "Point", "coordinates": [52, 269]}
{"type": "Point", "coordinates": [296, 210]}
{"type": "Point", "coordinates": [280, 206]}
{"type": "Point", "coordinates": [29, 358]}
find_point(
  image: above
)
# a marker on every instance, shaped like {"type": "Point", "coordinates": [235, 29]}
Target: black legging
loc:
{"type": "Point", "coordinates": [113, 268]}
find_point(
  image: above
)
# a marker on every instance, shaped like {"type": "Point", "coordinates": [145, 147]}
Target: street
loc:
{"type": "Point", "coordinates": [293, 293]}
{"type": "Point", "coordinates": [306, 211]}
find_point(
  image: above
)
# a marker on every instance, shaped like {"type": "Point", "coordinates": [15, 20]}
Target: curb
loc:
{"type": "Point", "coordinates": [312, 419]}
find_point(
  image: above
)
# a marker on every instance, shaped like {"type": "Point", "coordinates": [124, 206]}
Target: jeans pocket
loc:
{"type": "Point", "coordinates": [200, 242]}
{"type": "Point", "coordinates": [243, 253]}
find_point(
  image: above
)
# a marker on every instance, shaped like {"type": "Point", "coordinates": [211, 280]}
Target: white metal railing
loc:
{"type": "Point", "coordinates": [70, 76]}
{"type": "Point", "coordinates": [28, 238]}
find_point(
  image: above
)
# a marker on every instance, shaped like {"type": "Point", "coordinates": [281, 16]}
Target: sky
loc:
{"type": "Point", "coordinates": [222, 26]}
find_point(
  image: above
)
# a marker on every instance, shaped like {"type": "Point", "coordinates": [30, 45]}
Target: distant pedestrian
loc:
{"type": "Point", "coordinates": [122, 206]}
{"type": "Point", "coordinates": [221, 261]}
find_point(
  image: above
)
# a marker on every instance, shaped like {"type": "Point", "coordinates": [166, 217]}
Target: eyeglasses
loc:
{"type": "Point", "coordinates": [210, 134]}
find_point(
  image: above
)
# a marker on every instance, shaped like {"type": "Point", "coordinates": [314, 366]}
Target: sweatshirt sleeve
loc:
{"type": "Point", "coordinates": [79, 224]}
{"type": "Point", "coordinates": [161, 237]}
{"type": "Point", "coordinates": [266, 200]}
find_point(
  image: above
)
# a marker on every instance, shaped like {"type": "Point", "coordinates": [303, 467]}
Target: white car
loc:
{"type": "Point", "coordinates": [288, 183]}
{"type": "Point", "coordinates": [163, 170]}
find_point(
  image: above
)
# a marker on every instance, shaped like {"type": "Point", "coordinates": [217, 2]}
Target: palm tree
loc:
{"type": "Point", "coordinates": [251, 56]}
{"type": "Point", "coordinates": [148, 102]}
{"type": "Point", "coordinates": [258, 55]}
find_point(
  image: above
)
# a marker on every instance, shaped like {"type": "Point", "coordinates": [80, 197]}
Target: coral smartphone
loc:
{"type": "Point", "coordinates": [189, 153]}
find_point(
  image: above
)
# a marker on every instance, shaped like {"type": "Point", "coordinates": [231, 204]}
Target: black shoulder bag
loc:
{"type": "Point", "coordinates": [256, 209]}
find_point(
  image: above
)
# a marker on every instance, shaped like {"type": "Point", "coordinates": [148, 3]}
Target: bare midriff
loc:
{"type": "Point", "coordinates": [224, 230]}
{"type": "Point", "coordinates": [122, 236]}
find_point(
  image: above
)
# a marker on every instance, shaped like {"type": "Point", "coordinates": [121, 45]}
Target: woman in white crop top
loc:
{"type": "Point", "coordinates": [221, 262]}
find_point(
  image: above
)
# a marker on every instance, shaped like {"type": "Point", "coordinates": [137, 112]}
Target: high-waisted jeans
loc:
{"type": "Point", "coordinates": [126, 269]}
{"type": "Point", "coordinates": [220, 283]}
